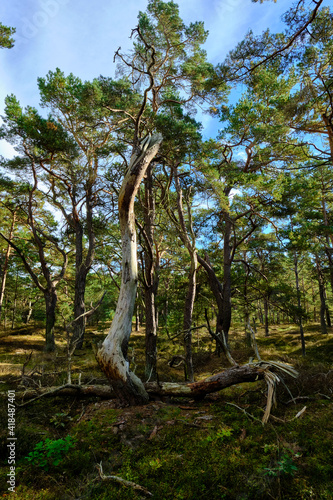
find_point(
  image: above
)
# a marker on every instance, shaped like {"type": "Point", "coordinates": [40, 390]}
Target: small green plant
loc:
{"type": "Point", "coordinates": [285, 466]}
{"type": "Point", "coordinates": [155, 463]}
{"type": "Point", "coordinates": [220, 435]}
{"type": "Point", "coordinates": [50, 453]}
{"type": "Point", "coordinates": [60, 420]}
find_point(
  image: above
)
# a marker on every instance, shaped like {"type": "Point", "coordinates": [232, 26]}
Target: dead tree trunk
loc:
{"type": "Point", "coordinates": [111, 355]}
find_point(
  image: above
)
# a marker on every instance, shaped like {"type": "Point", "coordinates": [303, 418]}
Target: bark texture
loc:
{"type": "Point", "coordinates": [112, 354]}
{"type": "Point", "coordinates": [5, 265]}
{"type": "Point", "coordinates": [232, 376]}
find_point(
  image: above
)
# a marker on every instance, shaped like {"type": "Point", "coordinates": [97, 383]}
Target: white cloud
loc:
{"type": "Point", "coordinates": [6, 150]}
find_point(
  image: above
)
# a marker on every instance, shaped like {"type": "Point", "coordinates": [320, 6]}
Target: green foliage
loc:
{"type": "Point", "coordinates": [221, 435]}
{"type": "Point", "coordinates": [285, 466]}
{"type": "Point", "coordinates": [6, 36]}
{"type": "Point", "coordinates": [50, 453]}
{"type": "Point", "coordinates": [60, 420]}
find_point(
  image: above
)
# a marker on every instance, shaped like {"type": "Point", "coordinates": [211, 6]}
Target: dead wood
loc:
{"type": "Point", "coordinates": [123, 482]}
{"type": "Point", "coordinates": [251, 372]}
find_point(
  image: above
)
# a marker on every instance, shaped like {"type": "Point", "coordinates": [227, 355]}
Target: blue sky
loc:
{"type": "Point", "coordinates": [81, 36]}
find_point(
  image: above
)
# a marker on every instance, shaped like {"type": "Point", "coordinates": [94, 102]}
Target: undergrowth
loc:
{"type": "Point", "coordinates": [184, 449]}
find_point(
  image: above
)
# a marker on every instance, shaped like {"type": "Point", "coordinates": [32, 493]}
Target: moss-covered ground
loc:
{"type": "Point", "coordinates": [176, 448]}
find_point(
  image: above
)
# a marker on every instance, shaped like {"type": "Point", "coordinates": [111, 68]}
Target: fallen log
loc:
{"type": "Point", "coordinates": [102, 391]}
{"type": "Point", "coordinates": [232, 376]}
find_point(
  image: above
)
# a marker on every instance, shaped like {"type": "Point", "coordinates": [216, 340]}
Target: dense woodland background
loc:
{"type": "Point", "coordinates": [234, 233]}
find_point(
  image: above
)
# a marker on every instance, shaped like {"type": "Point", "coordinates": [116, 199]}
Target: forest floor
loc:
{"type": "Point", "coordinates": [216, 448]}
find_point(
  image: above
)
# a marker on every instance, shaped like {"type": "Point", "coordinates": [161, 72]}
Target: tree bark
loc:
{"type": "Point", "coordinates": [112, 354]}
{"type": "Point", "coordinates": [83, 263]}
{"type": "Point", "coordinates": [50, 307]}
{"type": "Point", "coordinates": [266, 316]}
{"type": "Point", "coordinates": [227, 260]}
{"type": "Point", "coordinates": [151, 278]}
{"type": "Point", "coordinates": [232, 376]}
{"type": "Point", "coordinates": [80, 287]}
{"type": "Point", "coordinates": [298, 291]}
{"type": "Point", "coordinates": [189, 242]}
{"type": "Point", "coordinates": [322, 297]}
{"type": "Point", "coordinates": [15, 301]}
{"type": "Point", "coordinates": [217, 290]}
{"type": "Point", "coordinates": [5, 265]}
{"type": "Point", "coordinates": [188, 312]}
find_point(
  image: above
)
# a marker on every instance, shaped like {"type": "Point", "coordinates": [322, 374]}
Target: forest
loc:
{"type": "Point", "coordinates": [166, 298]}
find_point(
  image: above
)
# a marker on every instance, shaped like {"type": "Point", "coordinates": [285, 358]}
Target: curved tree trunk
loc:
{"type": "Point", "coordinates": [111, 355]}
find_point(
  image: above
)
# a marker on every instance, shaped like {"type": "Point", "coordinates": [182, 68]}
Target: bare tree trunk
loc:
{"type": "Point", "coordinates": [216, 288]}
{"type": "Point", "coordinates": [80, 286]}
{"type": "Point", "coordinates": [189, 242]}
{"type": "Point", "coordinates": [151, 278]}
{"type": "Point", "coordinates": [266, 316]}
{"type": "Point", "coordinates": [5, 265]}
{"type": "Point", "coordinates": [50, 306]}
{"type": "Point", "coordinates": [322, 297]}
{"type": "Point", "coordinates": [298, 291]}
{"type": "Point", "coordinates": [188, 312]}
{"type": "Point", "coordinates": [5, 315]}
{"type": "Point", "coordinates": [111, 355]}
{"type": "Point", "coordinates": [15, 301]}
{"type": "Point", "coordinates": [137, 319]}
{"type": "Point", "coordinates": [227, 260]}
{"type": "Point", "coordinates": [29, 313]}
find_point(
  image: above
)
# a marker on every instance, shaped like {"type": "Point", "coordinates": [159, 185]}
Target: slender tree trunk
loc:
{"type": "Point", "coordinates": [246, 302]}
{"type": "Point", "coordinates": [327, 312]}
{"type": "Point", "coordinates": [260, 314]}
{"type": "Point", "coordinates": [299, 305]}
{"type": "Point", "coordinates": [322, 297]}
{"type": "Point", "coordinates": [227, 250]}
{"type": "Point", "coordinates": [188, 312]}
{"type": "Point", "coordinates": [5, 265]}
{"type": "Point", "coordinates": [15, 301]}
{"type": "Point", "coordinates": [314, 303]}
{"type": "Point", "coordinates": [151, 336]}
{"type": "Point", "coordinates": [50, 307]}
{"type": "Point", "coordinates": [151, 278]}
{"type": "Point", "coordinates": [83, 259]}
{"type": "Point", "coordinates": [266, 316]}
{"type": "Point", "coordinates": [189, 242]}
{"type": "Point", "coordinates": [112, 354]}
{"type": "Point", "coordinates": [137, 318]}
{"type": "Point", "coordinates": [329, 238]}
{"type": "Point", "coordinates": [5, 314]}
{"type": "Point", "coordinates": [29, 313]}
{"type": "Point", "coordinates": [217, 289]}
{"type": "Point", "coordinates": [80, 288]}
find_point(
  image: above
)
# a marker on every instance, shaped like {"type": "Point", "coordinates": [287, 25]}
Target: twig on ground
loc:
{"type": "Point", "coordinates": [124, 482]}
{"type": "Point", "coordinates": [53, 391]}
